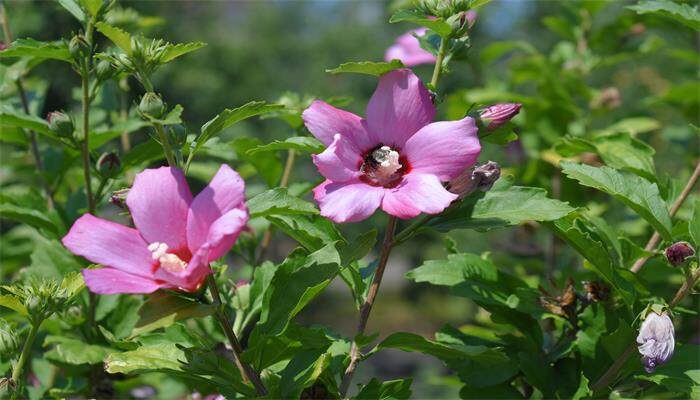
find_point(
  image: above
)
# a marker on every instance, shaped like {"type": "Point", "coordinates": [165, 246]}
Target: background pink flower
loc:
{"type": "Point", "coordinates": [395, 159]}
{"type": "Point", "coordinates": [407, 49]}
{"type": "Point", "coordinates": [175, 239]}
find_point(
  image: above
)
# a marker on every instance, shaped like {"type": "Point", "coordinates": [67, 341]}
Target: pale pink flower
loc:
{"type": "Point", "coordinates": [656, 340]}
{"type": "Point", "coordinates": [175, 239]}
{"type": "Point", "coordinates": [396, 158]}
{"type": "Point", "coordinates": [407, 49]}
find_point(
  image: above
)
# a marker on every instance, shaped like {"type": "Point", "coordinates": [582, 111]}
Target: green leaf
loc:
{"type": "Point", "coordinates": [51, 259]}
{"type": "Point", "coordinates": [396, 389]}
{"type": "Point", "coordinates": [637, 193]}
{"type": "Point", "coordinates": [166, 356]}
{"type": "Point", "coordinates": [437, 25]}
{"type": "Point", "coordinates": [119, 37]}
{"type": "Point", "coordinates": [229, 117]}
{"type": "Point", "coordinates": [367, 67]}
{"type": "Point", "coordinates": [583, 390]}
{"type": "Point", "coordinates": [311, 231]}
{"type": "Point", "coordinates": [683, 13]}
{"type": "Point", "coordinates": [681, 373]}
{"type": "Point", "coordinates": [162, 310]}
{"type": "Point", "coordinates": [622, 151]}
{"type": "Point", "coordinates": [503, 205]}
{"type": "Point", "coordinates": [75, 352]}
{"type": "Point", "coordinates": [278, 201]}
{"type": "Point", "coordinates": [268, 165]}
{"type": "Point", "coordinates": [694, 224]}
{"type": "Point", "coordinates": [357, 248]}
{"type": "Point", "coordinates": [10, 118]}
{"type": "Point", "coordinates": [92, 6]}
{"type": "Point", "coordinates": [502, 391]}
{"type": "Point", "coordinates": [174, 51]}
{"type": "Point", "coordinates": [34, 48]}
{"type": "Point", "coordinates": [303, 369]}
{"type": "Point", "coordinates": [300, 143]}
{"type": "Point", "coordinates": [632, 126]}
{"type": "Point", "coordinates": [72, 7]}
{"type": "Point", "coordinates": [13, 303]}
{"type": "Point", "coordinates": [296, 282]}
{"type": "Point", "coordinates": [31, 217]}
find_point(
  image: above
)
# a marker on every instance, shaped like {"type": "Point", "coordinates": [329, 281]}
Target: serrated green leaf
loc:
{"type": "Point", "coordinates": [437, 25]}
{"type": "Point", "coordinates": [166, 356]}
{"type": "Point", "coordinates": [395, 389]}
{"type": "Point", "coordinates": [92, 6]}
{"type": "Point", "coordinates": [72, 7]}
{"type": "Point", "coordinates": [174, 51]}
{"type": "Point", "coordinates": [278, 201]}
{"type": "Point", "coordinates": [683, 13]}
{"type": "Point", "coordinates": [162, 310]}
{"type": "Point", "coordinates": [622, 151]}
{"type": "Point", "coordinates": [300, 143]}
{"type": "Point", "coordinates": [34, 48]}
{"type": "Point", "coordinates": [367, 67]}
{"type": "Point", "coordinates": [75, 352]}
{"type": "Point", "coordinates": [636, 192]}
{"type": "Point", "coordinates": [267, 164]}
{"type": "Point", "coordinates": [13, 303]}
{"type": "Point", "coordinates": [231, 116]}
{"type": "Point", "coordinates": [311, 231]}
{"type": "Point", "coordinates": [118, 36]}
{"type": "Point", "coordinates": [503, 205]}
{"type": "Point", "coordinates": [302, 370]}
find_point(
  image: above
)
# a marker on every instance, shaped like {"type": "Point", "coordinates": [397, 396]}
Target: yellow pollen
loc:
{"type": "Point", "coordinates": [388, 160]}
{"type": "Point", "coordinates": [168, 261]}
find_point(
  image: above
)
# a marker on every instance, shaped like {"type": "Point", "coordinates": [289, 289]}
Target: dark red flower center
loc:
{"type": "Point", "coordinates": [383, 166]}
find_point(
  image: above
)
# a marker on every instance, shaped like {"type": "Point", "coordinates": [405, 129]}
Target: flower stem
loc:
{"type": "Point", "coordinates": [167, 149]}
{"type": "Point", "coordinates": [438, 63]}
{"type": "Point", "coordinates": [26, 349]}
{"type": "Point", "coordinates": [247, 372]}
{"type": "Point", "coordinates": [611, 373]}
{"type": "Point", "coordinates": [656, 238]}
{"type": "Point", "coordinates": [367, 305]}
{"type": "Point", "coordinates": [33, 144]}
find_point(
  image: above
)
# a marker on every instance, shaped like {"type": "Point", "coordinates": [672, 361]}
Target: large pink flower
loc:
{"type": "Point", "coordinates": [175, 239]}
{"type": "Point", "coordinates": [396, 158]}
{"type": "Point", "coordinates": [407, 49]}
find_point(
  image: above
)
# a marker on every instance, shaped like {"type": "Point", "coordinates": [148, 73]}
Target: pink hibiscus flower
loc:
{"type": "Point", "coordinates": [407, 49]}
{"type": "Point", "coordinates": [395, 159]}
{"type": "Point", "coordinates": [175, 239]}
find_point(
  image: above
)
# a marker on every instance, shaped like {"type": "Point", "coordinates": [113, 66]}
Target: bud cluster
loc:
{"type": "Point", "coordinates": [108, 165]}
{"type": "Point", "coordinates": [480, 177]}
{"type": "Point", "coordinates": [60, 123]}
{"type": "Point", "coordinates": [43, 297]}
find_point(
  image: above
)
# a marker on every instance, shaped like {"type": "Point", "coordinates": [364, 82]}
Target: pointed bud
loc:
{"type": "Point", "coordinates": [677, 253]}
{"type": "Point", "coordinates": [108, 165]}
{"type": "Point", "coordinates": [60, 123]}
{"type": "Point", "coordinates": [498, 114]}
{"type": "Point", "coordinates": [79, 47]}
{"type": "Point", "coordinates": [104, 70]}
{"type": "Point", "coordinates": [9, 343]}
{"type": "Point", "coordinates": [151, 105]}
{"type": "Point", "coordinates": [656, 340]}
{"type": "Point", "coordinates": [480, 177]}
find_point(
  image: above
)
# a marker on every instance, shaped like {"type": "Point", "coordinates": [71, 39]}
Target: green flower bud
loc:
{"type": "Point", "coordinates": [34, 305]}
{"type": "Point", "coordinates": [151, 105]}
{"type": "Point", "coordinates": [104, 70]}
{"type": "Point", "coordinates": [60, 123]}
{"type": "Point", "coordinates": [108, 165]}
{"type": "Point", "coordinates": [79, 47]}
{"type": "Point", "coordinates": [9, 343]}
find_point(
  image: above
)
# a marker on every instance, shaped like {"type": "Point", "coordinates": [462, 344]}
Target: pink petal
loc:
{"type": "Point", "coordinates": [113, 281]}
{"type": "Point", "coordinates": [158, 201]}
{"type": "Point", "coordinates": [224, 232]}
{"type": "Point", "coordinates": [324, 121]}
{"type": "Point", "coordinates": [399, 107]}
{"type": "Point", "coordinates": [225, 192]}
{"type": "Point", "coordinates": [407, 49]}
{"type": "Point", "coordinates": [444, 148]}
{"type": "Point", "coordinates": [340, 162]}
{"type": "Point", "coordinates": [347, 201]}
{"type": "Point", "coordinates": [110, 244]}
{"type": "Point", "coordinates": [418, 193]}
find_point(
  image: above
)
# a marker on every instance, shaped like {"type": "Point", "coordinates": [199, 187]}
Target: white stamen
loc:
{"type": "Point", "coordinates": [168, 261]}
{"type": "Point", "coordinates": [388, 160]}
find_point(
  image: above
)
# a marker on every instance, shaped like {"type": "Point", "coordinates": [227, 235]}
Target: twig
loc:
{"type": "Point", "coordinates": [656, 238]}
{"type": "Point", "coordinates": [367, 305]}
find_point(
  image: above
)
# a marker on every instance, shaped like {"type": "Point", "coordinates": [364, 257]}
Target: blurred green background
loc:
{"type": "Point", "coordinates": [578, 67]}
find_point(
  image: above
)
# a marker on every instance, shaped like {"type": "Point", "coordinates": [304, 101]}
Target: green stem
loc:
{"type": "Point", "coordinates": [438, 63]}
{"type": "Point", "coordinates": [247, 372]}
{"type": "Point", "coordinates": [167, 149]}
{"type": "Point", "coordinates": [24, 356]}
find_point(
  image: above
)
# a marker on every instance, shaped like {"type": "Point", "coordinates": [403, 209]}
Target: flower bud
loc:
{"type": "Point", "coordinates": [498, 114]}
{"type": "Point", "coordinates": [481, 177]}
{"type": "Point", "coordinates": [119, 198]}
{"type": "Point", "coordinates": [108, 165]}
{"type": "Point", "coordinates": [151, 105]}
{"type": "Point", "coordinates": [9, 343]}
{"type": "Point", "coordinates": [677, 253]}
{"type": "Point", "coordinates": [79, 47]}
{"type": "Point", "coordinates": [656, 340]}
{"type": "Point", "coordinates": [104, 70]}
{"type": "Point", "coordinates": [3, 46]}
{"type": "Point", "coordinates": [60, 123]}
{"type": "Point", "coordinates": [34, 305]}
